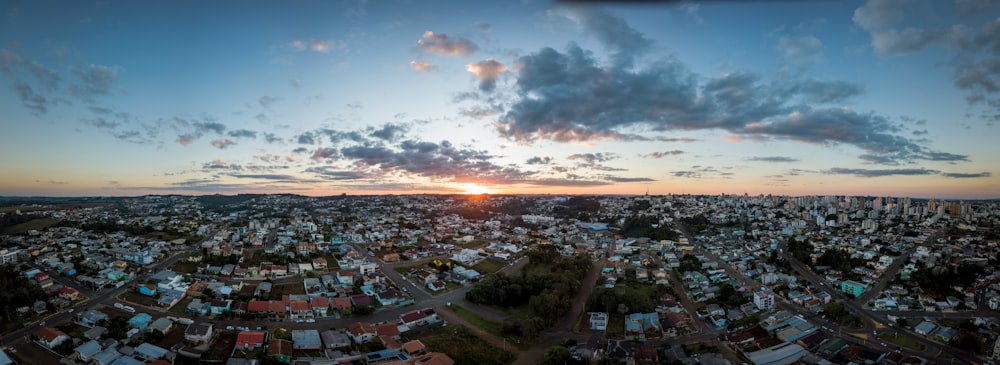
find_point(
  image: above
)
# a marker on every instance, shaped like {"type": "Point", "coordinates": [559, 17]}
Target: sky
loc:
{"type": "Point", "coordinates": [122, 98]}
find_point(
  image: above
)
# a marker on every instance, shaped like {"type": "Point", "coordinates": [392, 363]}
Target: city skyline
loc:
{"type": "Point", "coordinates": [876, 98]}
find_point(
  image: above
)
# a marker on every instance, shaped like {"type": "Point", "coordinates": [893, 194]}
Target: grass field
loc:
{"type": "Point", "coordinates": [902, 341]}
{"type": "Point", "coordinates": [474, 244]}
{"type": "Point", "coordinates": [488, 267]}
{"type": "Point", "coordinates": [463, 346]}
{"type": "Point", "coordinates": [181, 306]}
{"type": "Point", "coordinates": [478, 321]}
{"type": "Point", "coordinates": [37, 224]}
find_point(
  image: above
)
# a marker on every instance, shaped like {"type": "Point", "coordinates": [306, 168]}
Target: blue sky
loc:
{"type": "Point", "coordinates": [892, 97]}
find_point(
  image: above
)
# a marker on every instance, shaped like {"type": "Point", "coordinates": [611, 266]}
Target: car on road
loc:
{"type": "Point", "coordinates": [71, 310]}
{"type": "Point", "coordinates": [299, 321]}
{"type": "Point", "coordinates": [230, 328]}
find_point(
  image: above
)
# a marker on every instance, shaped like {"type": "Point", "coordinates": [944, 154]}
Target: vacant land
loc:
{"type": "Point", "coordinates": [34, 224]}
{"type": "Point", "coordinates": [902, 341]}
{"type": "Point", "coordinates": [488, 266]}
{"type": "Point", "coordinates": [463, 346]}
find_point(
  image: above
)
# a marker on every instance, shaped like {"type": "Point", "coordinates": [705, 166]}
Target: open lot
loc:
{"type": "Point", "coordinates": [902, 341]}
{"type": "Point", "coordinates": [488, 266]}
{"type": "Point", "coordinates": [463, 346]}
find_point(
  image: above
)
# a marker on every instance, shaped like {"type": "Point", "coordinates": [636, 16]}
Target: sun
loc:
{"type": "Point", "coordinates": [475, 189]}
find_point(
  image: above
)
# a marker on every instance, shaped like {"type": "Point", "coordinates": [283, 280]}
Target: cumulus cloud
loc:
{"type": "Point", "coordinates": [422, 66]}
{"type": "Point", "coordinates": [571, 97]}
{"type": "Point", "coordinates": [441, 43]}
{"type": "Point", "coordinates": [390, 132]}
{"type": "Point", "coordinates": [487, 72]}
{"type": "Point", "coordinates": [880, 172]}
{"type": "Point", "coordinates": [204, 127]}
{"type": "Point", "coordinates": [959, 175]}
{"type": "Point", "coordinates": [614, 33]}
{"type": "Point", "coordinates": [539, 160]}
{"type": "Point", "coordinates": [593, 157]}
{"type": "Point", "coordinates": [223, 143]}
{"type": "Point", "coordinates": [772, 159]}
{"type": "Point", "coordinates": [272, 138]}
{"type": "Point", "coordinates": [324, 153]}
{"type": "Point", "coordinates": [221, 165]}
{"type": "Point", "coordinates": [800, 50]}
{"type": "Point", "coordinates": [329, 173]}
{"type": "Point", "coordinates": [628, 179]}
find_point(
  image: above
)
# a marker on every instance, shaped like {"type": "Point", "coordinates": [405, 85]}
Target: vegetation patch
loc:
{"type": "Point", "coordinates": [903, 341]}
{"type": "Point", "coordinates": [34, 224]}
{"type": "Point", "coordinates": [463, 346]}
{"type": "Point", "coordinates": [488, 266]}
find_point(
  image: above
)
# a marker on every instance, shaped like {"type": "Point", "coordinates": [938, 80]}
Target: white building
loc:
{"type": "Point", "coordinates": [764, 301]}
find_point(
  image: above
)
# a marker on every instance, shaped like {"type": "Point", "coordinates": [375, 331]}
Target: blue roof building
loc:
{"type": "Point", "coordinates": [140, 321]}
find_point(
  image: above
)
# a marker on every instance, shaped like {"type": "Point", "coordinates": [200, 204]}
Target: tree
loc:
{"type": "Point", "coordinates": [557, 355]}
{"type": "Point", "coordinates": [902, 322]}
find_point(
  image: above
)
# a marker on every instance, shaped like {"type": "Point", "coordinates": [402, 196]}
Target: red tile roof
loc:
{"type": "Point", "coordinates": [257, 306]}
{"type": "Point", "coordinates": [250, 339]}
{"type": "Point", "coordinates": [300, 305]}
{"type": "Point", "coordinates": [320, 302]}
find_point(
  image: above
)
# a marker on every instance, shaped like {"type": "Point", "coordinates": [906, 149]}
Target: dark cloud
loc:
{"type": "Point", "coordinates": [680, 139]}
{"type": "Point", "coordinates": [487, 72]}
{"type": "Point", "coordinates": [826, 91]}
{"type": "Point", "coordinates": [441, 43]}
{"type": "Point", "coordinates": [593, 157]}
{"type": "Point", "coordinates": [221, 165]}
{"type": "Point", "coordinates": [266, 177]}
{"type": "Point", "coordinates": [614, 33]}
{"type": "Point", "coordinates": [661, 154]}
{"type": "Point", "coordinates": [628, 179]}
{"type": "Point", "coordinates": [772, 159]}
{"type": "Point", "coordinates": [959, 175]}
{"type": "Point", "coordinates": [223, 143]}
{"type": "Point", "coordinates": [306, 138]}
{"type": "Point", "coordinates": [186, 139]}
{"type": "Point", "coordinates": [48, 78]}
{"type": "Point", "coordinates": [973, 8]}
{"type": "Point", "coordinates": [271, 138]}
{"type": "Point", "coordinates": [266, 101]}
{"type": "Point", "coordinates": [539, 160]}
{"type": "Point", "coordinates": [209, 126]}
{"type": "Point", "coordinates": [390, 132]}
{"type": "Point", "coordinates": [880, 172]}
{"type": "Point", "coordinates": [242, 133]}
{"type": "Point", "coordinates": [328, 173]}
{"type": "Point", "coordinates": [38, 103]}
{"type": "Point", "coordinates": [95, 80]}
{"type": "Point", "coordinates": [323, 153]}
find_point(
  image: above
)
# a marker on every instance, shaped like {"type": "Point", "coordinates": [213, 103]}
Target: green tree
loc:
{"type": "Point", "coordinates": [557, 355]}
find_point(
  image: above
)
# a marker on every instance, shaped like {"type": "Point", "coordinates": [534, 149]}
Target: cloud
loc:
{"type": "Point", "coordinates": [659, 154]}
{"type": "Point", "coordinates": [422, 66]}
{"type": "Point", "coordinates": [487, 72]}
{"type": "Point", "coordinates": [266, 101]}
{"type": "Point", "coordinates": [265, 177]}
{"type": "Point", "coordinates": [881, 14]}
{"type": "Point", "coordinates": [242, 133]}
{"type": "Point", "coordinates": [305, 138]}
{"type": "Point", "coordinates": [628, 179]}
{"type": "Point", "coordinates": [221, 165]}
{"type": "Point", "coordinates": [223, 143]}
{"type": "Point", "coordinates": [772, 159]}
{"type": "Point", "coordinates": [186, 139]}
{"type": "Point", "coordinates": [329, 173]}
{"type": "Point", "coordinates": [614, 33]}
{"type": "Point", "coordinates": [972, 8]}
{"type": "Point", "coordinates": [390, 132]}
{"type": "Point", "coordinates": [593, 157]}
{"type": "Point", "coordinates": [38, 103]}
{"type": "Point", "coordinates": [204, 127]}
{"type": "Point", "coordinates": [323, 153]}
{"type": "Point", "coordinates": [959, 175]}
{"type": "Point", "coordinates": [678, 139]}
{"type": "Point", "coordinates": [441, 43]}
{"type": "Point", "coordinates": [879, 173]}
{"type": "Point", "coordinates": [95, 80]}
{"type": "Point", "coordinates": [539, 160]}
{"type": "Point", "coordinates": [801, 50]}
{"type": "Point", "coordinates": [315, 45]}
{"type": "Point", "coordinates": [570, 97]}
{"type": "Point", "coordinates": [271, 138]}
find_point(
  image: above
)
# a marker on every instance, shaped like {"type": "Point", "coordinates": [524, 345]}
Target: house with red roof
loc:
{"type": "Point", "coordinates": [361, 332]}
{"type": "Point", "coordinates": [51, 337]}
{"type": "Point", "coordinates": [258, 306]}
{"type": "Point", "coordinates": [420, 317]}
{"type": "Point", "coordinates": [251, 340]}
{"type": "Point", "coordinates": [320, 306]}
{"type": "Point", "coordinates": [300, 309]}
{"type": "Point", "coordinates": [338, 303]}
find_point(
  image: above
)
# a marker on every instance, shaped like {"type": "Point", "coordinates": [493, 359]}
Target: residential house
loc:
{"type": "Point", "coordinates": [419, 317]}
{"type": "Point", "coordinates": [335, 339]}
{"type": "Point", "coordinates": [199, 332]}
{"type": "Point", "coordinates": [280, 350]}
{"type": "Point", "coordinates": [87, 350]}
{"type": "Point", "coordinates": [161, 324]}
{"type": "Point", "coordinates": [642, 326]}
{"type": "Point", "coordinates": [433, 358]}
{"type": "Point", "coordinates": [598, 321]}
{"type": "Point", "coordinates": [320, 306]}
{"type": "Point", "coordinates": [361, 332]}
{"type": "Point", "coordinates": [89, 318]}
{"type": "Point", "coordinates": [50, 337]}
{"type": "Point", "coordinates": [250, 340]}
{"type": "Point", "coordinates": [306, 340]}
